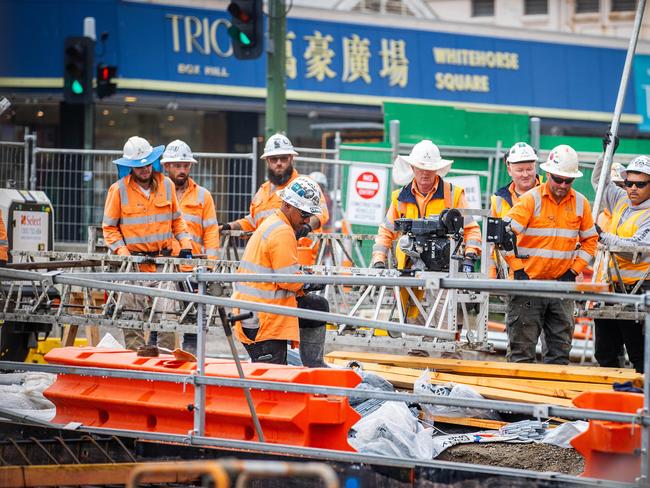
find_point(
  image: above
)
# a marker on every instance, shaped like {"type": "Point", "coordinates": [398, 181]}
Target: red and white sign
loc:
{"type": "Point", "coordinates": [367, 185]}
{"type": "Point", "coordinates": [367, 194]}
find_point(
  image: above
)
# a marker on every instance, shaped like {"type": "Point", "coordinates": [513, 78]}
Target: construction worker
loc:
{"type": "Point", "coordinates": [555, 229]}
{"type": "Point", "coordinates": [629, 227]}
{"type": "Point", "coordinates": [279, 154]}
{"type": "Point", "coordinates": [197, 206]}
{"type": "Point", "coordinates": [521, 162]}
{"type": "Point", "coordinates": [4, 243]}
{"type": "Point", "coordinates": [273, 248]}
{"type": "Point", "coordinates": [142, 218]}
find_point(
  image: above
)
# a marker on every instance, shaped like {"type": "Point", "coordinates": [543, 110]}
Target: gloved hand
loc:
{"type": "Point", "coordinates": [308, 287]}
{"type": "Point", "coordinates": [3, 263]}
{"type": "Point", "coordinates": [185, 254]}
{"type": "Point", "coordinates": [627, 386]}
{"type": "Point", "coordinates": [303, 231]}
{"type": "Point", "coordinates": [225, 226]}
{"type": "Point", "coordinates": [598, 229]}
{"type": "Point", "coordinates": [607, 138]}
{"type": "Point", "coordinates": [569, 275]}
{"type": "Point", "coordinates": [379, 265]}
{"type": "Point", "coordinates": [468, 263]}
{"type": "Point", "coordinates": [520, 274]}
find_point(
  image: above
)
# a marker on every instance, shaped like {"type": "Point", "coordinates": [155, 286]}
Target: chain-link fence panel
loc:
{"type": "Point", "coordinates": [12, 163]}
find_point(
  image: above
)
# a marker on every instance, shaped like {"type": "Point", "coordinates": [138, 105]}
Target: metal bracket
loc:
{"type": "Point", "coordinates": [541, 411]}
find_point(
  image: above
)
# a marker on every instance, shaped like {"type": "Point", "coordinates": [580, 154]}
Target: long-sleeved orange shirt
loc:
{"type": "Point", "coordinates": [556, 236]}
{"type": "Point", "coordinates": [4, 243]}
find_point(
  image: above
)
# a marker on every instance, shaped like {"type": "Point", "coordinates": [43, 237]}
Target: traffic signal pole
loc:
{"type": "Point", "coordinates": [276, 86]}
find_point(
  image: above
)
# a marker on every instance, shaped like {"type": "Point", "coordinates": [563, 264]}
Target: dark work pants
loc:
{"type": "Point", "coordinates": [529, 317]}
{"type": "Point", "coordinates": [312, 332]}
{"type": "Point", "coordinates": [612, 335]}
{"type": "Point", "coordinates": [272, 351]}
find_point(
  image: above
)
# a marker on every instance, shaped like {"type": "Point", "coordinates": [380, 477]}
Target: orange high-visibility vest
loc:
{"type": "Point", "coordinates": [271, 249]}
{"type": "Point", "coordinates": [4, 243]}
{"type": "Point", "coordinates": [556, 236]}
{"type": "Point", "coordinates": [199, 213]}
{"type": "Point", "coordinates": [134, 222]}
{"type": "Point", "coordinates": [630, 272]}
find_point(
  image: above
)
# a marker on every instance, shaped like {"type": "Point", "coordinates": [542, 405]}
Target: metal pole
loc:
{"type": "Point", "coordinates": [394, 136]}
{"type": "Point", "coordinates": [276, 87]}
{"type": "Point", "coordinates": [609, 152]}
{"type": "Point", "coordinates": [535, 132]}
{"type": "Point", "coordinates": [32, 155]}
{"type": "Point", "coordinates": [29, 150]}
{"type": "Point", "coordinates": [645, 433]}
{"type": "Point", "coordinates": [337, 183]}
{"type": "Point", "coordinates": [199, 390]}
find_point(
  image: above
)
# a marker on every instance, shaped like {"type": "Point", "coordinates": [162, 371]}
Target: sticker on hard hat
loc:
{"type": "Point", "coordinates": [306, 193]}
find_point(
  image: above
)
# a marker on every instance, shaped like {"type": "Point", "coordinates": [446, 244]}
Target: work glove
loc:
{"type": "Point", "coordinates": [468, 263]}
{"type": "Point", "coordinates": [598, 229]}
{"type": "Point", "coordinates": [223, 227]}
{"type": "Point", "coordinates": [309, 287]}
{"type": "Point", "coordinates": [569, 275]}
{"type": "Point", "coordinates": [520, 274]}
{"type": "Point", "coordinates": [627, 386]}
{"type": "Point", "coordinates": [185, 254]}
{"type": "Point", "coordinates": [379, 265]}
{"type": "Point", "coordinates": [607, 138]}
{"type": "Point", "coordinates": [303, 231]}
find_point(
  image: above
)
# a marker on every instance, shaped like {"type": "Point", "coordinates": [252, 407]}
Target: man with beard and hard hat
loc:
{"type": "Point", "coordinates": [555, 230]}
{"type": "Point", "coordinates": [521, 164]}
{"type": "Point", "coordinates": [273, 248]}
{"type": "Point", "coordinates": [279, 154]}
{"type": "Point", "coordinates": [629, 227]}
{"type": "Point", "coordinates": [142, 218]}
{"type": "Point", "coordinates": [425, 195]}
{"type": "Point", "coordinates": [197, 206]}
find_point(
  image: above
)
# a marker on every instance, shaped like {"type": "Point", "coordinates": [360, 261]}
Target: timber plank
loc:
{"type": "Point", "coordinates": [585, 374]}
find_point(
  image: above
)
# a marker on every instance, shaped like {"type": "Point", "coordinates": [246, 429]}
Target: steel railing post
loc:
{"type": "Point", "coordinates": [199, 390]}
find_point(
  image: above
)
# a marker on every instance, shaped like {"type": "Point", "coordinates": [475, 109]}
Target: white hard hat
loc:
{"type": "Point", "coordinates": [426, 155]}
{"type": "Point", "coordinates": [319, 177]}
{"type": "Point", "coordinates": [640, 164]}
{"type": "Point", "coordinates": [302, 193]}
{"type": "Point", "coordinates": [277, 145]}
{"type": "Point", "coordinates": [138, 153]}
{"type": "Point", "coordinates": [177, 152]}
{"type": "Point", "coordinates": [521, 152]}
{"type": "Point", "coordinates": [615, 174]}
{"type": "Point", "coordinates": [562, 161]}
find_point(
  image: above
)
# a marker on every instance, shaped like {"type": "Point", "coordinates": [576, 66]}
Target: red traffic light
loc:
{"type": "Point", "coordinates": [237, 12]}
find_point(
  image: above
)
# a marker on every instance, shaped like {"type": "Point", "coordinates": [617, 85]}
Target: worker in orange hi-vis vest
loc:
{"type": "Point", "coordinates": [555, 229]}
{"type": "Point", "coordinates": [273, 248]}
{"type": "Point", "coordinates": [197, 206]}
{"type": "Point", "coordinates": [142, 218]}
{"type": "Point", "coordinates": [4, 243]}
{"type": "Point", "coordinates": [279, 154]}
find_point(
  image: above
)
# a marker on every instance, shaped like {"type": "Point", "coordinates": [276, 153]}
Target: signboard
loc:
{"type": "Point", "coordinates": [366, 199]}
{"type": "Point", "coordinates": [472, 186]}
{"type": "Point", "coordinates": [31, 230]}
{"type": "Point", "coordinates": [642, 89]}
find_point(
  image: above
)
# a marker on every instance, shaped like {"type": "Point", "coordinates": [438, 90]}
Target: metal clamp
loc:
{"type": "Point", "coordinates": [541, 411]}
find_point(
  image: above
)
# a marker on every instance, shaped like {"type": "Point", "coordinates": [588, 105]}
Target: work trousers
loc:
{"type": "Point", "coordinates": [312, 332]}
{"type": "Point", "coordinates": [272, 351]}
{"type": "Point", "coordinates": [529, 317]}
{"type": "Point", "coordinates": [612, 336]}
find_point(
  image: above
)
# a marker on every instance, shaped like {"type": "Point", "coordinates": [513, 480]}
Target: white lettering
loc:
{"type": "Point", "coordinates": [175, 36]}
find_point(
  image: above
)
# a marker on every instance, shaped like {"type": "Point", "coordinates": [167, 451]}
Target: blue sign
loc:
{"type": "Point", "coordinates": [642, 89]}
{"type": "Point", "coordinates": [166, 48]}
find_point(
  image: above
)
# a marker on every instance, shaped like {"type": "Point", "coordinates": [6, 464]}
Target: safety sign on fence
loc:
{"type": "Point", "coordinates": [472, 186]}
{"type": "Point", "coordinates": [367, 187]}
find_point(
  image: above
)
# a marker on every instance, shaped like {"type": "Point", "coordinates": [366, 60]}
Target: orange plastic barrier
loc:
{"type": "Point", "coordinates": [610, 449]}
{"type": "Point", "coordinates": [300, 419]}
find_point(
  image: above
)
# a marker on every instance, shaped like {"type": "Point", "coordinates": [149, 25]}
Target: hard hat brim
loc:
{"type": "Point", "coordinates": [286, 198]}
{"type": "Point", "coordinates": [427, 166]}
{"type": "Point", "coordinates": [139, 163]}
{"type": "Point", "coordinates": [278, 152]}
{"type": "Point", "coordinates": [178, 160]}
{"type": "Point", "coordinates": [566, 174]}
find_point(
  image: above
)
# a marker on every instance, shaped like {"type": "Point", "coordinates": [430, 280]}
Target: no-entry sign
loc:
{"type": "Point", "coordinates": [367, 187]}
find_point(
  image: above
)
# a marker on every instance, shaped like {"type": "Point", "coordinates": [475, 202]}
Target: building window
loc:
{"type": "Point", "coordinates": [623, 5]}
{"type": "Point", "coordinates": [586, 6]}
{"type": "Point", "coordinates": [482, 8]}
{"type": "Point", "coordinates": [535, 7]}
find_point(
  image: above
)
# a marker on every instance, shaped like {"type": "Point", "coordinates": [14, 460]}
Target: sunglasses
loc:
{"type": "Point", "coordinates": [638, 184]}
{"type": "Point", "coordinates": [560, 181]}
{"type": "Point", "coordinates": [304, 214]}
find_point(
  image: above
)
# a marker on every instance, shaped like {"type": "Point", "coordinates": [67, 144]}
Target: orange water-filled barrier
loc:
{"type": "Point", "coordinates": [301, 419]}
{"type": "Point", "coordinates": [611, 449]}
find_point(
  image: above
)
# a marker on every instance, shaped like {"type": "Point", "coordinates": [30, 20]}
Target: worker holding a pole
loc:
{"type": "Point", "coordinates": [142, 218]}
{"type": "Point", "coordinates": [197, 206]}
{"type": "Point", "coordinates": [521, 164]}
{"type": "Point", "coordinates": [273, 248]}
{"type": "Point", "coordinates": [629, 227]}
{"type": "Point", "coordinates": [555, 229]}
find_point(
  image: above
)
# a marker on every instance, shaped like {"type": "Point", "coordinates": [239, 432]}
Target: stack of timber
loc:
{"type": "Point", "coordinates": [548, 384]}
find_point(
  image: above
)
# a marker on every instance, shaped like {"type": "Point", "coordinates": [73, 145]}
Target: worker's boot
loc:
{"type": "Point", "coordinates": [189, 343]}
{"type": "Point", "coordinates": [312, 346]}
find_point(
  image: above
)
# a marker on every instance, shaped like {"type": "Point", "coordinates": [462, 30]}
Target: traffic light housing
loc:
{"type": "Point", "coordinates": [78, 63]}
{"type": "Point", "coordinates": [247, 28]}
{"type": "Point", "coordinates": [105, 85]}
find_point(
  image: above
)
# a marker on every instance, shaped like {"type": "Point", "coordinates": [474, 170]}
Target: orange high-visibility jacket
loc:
{"type": "Point", "coordinates": [134, 222]}
{"type": "Point", "coordinates": [407, 202]}
{"type": "Point", "coordinates": [271, 249]}
{"type": "Point", "coordinates": [556, 236]}
{"type": "Point", "coordinates": [4, 243]}
{"type": "Point", "coordinates": [197, 206]}
{"type": "Point", "coordinates": [266, 202]}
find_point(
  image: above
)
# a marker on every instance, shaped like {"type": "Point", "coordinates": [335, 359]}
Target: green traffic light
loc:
{"type": "Point", "coordinates": [77, 88]}
{"type": "Point", "coordinates": [244, 39]}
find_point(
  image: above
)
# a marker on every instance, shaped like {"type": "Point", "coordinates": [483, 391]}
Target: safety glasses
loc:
{"type": "Point", "coordinates": [638, 184]}
{"type": "Point", "coordinates": [305, 215]}
{"type": "Point", "coordinates": [562, 181]}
